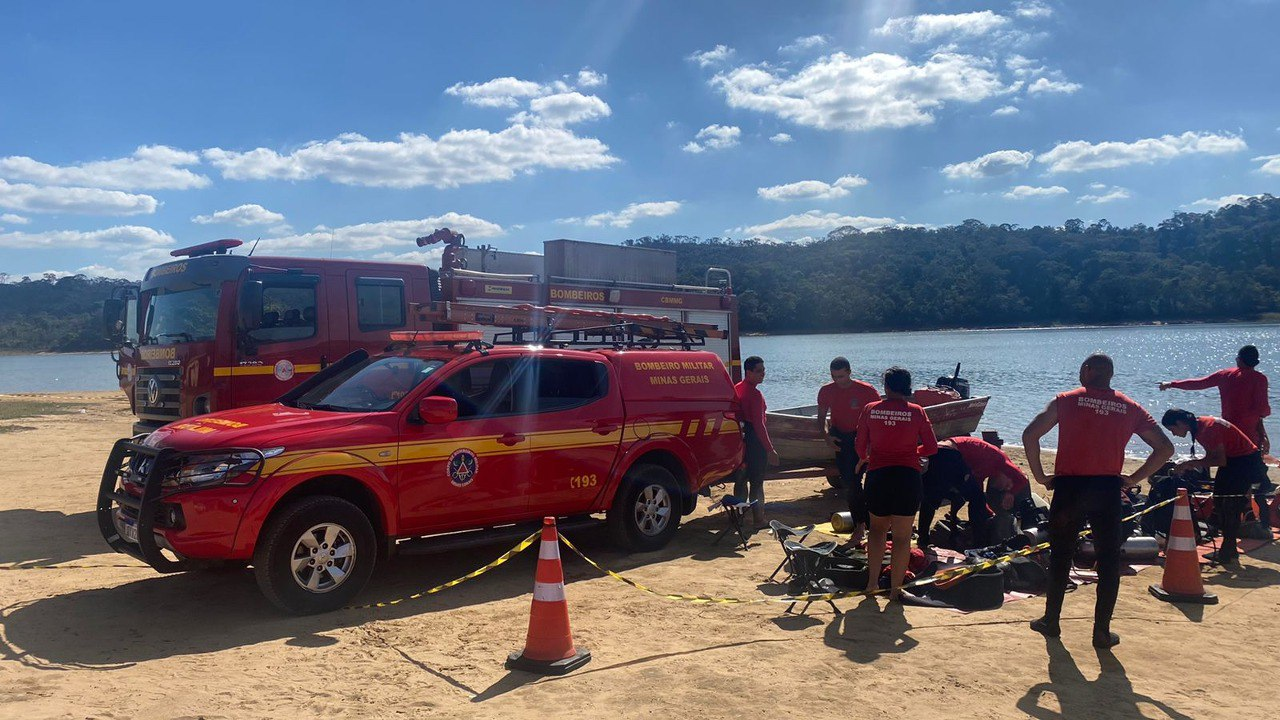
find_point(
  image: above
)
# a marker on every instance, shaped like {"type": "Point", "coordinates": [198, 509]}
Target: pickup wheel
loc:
{"type": "Point", "coordinates": [315, 555]}
{"type": "Point", "coordinates": [646, 510]}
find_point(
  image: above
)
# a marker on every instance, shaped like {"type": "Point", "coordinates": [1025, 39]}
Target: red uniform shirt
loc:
{"type": "Point", "coordinates": [894, 432]}
{"type": "Point", "coordinates": [986, 461]}
{"type": "Point", "coordinates": [1093, 428]}
{"type": "Point", "coordinates": [846, 403]}
{"type": "Point", "coordinates": [1244, 396]}
{"type": "Point", "coordinates": [1212, 432]}
{"type": "Point", "coordinates": [751, 404]}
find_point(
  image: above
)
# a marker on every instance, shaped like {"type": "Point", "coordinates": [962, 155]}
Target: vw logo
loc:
{"type": "Point", "coordinates": [153, 392]}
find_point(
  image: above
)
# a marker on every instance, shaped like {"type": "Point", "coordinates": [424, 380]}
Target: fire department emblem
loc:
{"type": "Point", "coordinates": [462, 467]}
{"type": "Point", "coordinates": [283, 370]}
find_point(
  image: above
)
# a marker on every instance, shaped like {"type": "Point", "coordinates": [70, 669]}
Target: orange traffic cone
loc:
{"type": "Point", "coordinates": [1181, 582]}
{"type": "Point", "coordinates": [548, 649]}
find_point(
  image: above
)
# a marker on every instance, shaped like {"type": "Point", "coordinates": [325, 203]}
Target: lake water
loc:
{"type": "Point", "coordinates": [1020, 369]}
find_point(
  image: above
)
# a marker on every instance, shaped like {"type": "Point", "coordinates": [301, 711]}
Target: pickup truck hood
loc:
{"type": "Point", "coordinates": [260, 426]}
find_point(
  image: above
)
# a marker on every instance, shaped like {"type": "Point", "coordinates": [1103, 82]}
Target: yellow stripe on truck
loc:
{"type": "Point", "coordinates": [261, 370]}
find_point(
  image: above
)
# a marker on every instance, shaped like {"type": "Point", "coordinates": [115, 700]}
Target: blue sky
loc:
{"type": "Point", "coordinates": [327, 128]}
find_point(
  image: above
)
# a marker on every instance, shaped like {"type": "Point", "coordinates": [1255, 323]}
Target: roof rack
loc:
{"type": "Point", "coordinates": [618, 336]}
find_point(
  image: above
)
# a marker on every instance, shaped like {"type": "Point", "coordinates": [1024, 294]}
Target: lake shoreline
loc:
{"type": "Point", "coordinates": [1001, 328]}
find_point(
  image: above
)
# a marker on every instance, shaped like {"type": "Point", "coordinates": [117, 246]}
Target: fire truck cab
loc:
{"type": "Point", "coordinates": [440, 438]}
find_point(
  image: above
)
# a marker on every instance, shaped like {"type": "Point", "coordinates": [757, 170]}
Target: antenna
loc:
{"type": "Point", "coordinates": [255, 246]}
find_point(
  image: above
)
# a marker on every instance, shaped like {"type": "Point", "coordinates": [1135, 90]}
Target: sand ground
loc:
{"type": "Point", "coordinates": [123, 642]}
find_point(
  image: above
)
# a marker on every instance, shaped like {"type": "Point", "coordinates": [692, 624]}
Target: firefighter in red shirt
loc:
{"type": "Point", "coordinates": [1094, 426]}
{"type": "Point", "coordinates": [760, 452]}
{"type": "Point", "coordinates": [1239, 464]}
{"type": "Point", "coordinates": [844, 398]}
{"type": "Point", "coordinates": [893, 435]}
{"type": "Point", "coordinates": [960, 469]}
{"type": "Point", "coordinates": [1244, 395]}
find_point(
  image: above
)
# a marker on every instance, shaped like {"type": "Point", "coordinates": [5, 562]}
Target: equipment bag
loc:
{"type": "Point", "coordinates": [1025, 575]}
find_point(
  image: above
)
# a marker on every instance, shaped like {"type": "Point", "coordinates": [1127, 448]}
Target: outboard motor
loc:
{"type": "Point", "coordinates": [955, 382]}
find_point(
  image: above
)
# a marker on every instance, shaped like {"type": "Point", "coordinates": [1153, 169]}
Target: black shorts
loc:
{"type": "Point", "coordinates": [894, 490]}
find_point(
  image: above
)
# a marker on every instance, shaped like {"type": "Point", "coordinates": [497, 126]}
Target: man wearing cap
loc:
{"type": "Point", "coordinates": [1094, 426]}
{"type": "Point", "coordinates": [1244, 395]}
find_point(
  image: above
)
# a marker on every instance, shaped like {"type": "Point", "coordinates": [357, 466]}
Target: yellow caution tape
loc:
{"type": "Point", "coordinates": [699, 599]}
{"type": "Point", "coordinates": [71, 567]}
{"type": "Point", "coordinates": [519, 548]}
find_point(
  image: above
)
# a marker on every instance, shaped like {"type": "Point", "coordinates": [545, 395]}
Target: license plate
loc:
{"type": "Point", "coordinates": [127, 527]}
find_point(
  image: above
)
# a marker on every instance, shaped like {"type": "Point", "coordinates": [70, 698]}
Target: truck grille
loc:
{"type": "Point", "coordinates": [167, 392]}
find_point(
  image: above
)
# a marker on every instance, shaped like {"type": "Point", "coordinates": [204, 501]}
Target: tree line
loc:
{"type": "Point", "coordinates": [1221, 265]}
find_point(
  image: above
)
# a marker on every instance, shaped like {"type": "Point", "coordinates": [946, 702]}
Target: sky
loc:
{"type": "Point", "coordinates": [335, 129]}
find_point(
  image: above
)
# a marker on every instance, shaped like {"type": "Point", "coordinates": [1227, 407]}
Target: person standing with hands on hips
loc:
{"type": "Point", "coordinates": [1094, 426]}
{"type": "Point", "coordinates": [893, 436]}
{"type": "Point", "coordinates": [760, 452]}
{"type": "Point", "coordinates": [844, 399]}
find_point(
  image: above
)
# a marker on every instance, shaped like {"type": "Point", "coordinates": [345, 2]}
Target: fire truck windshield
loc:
{"type": "Point", "coordinates": [183, 316]}
{"type": "Point", "coordinates": [372, 386]}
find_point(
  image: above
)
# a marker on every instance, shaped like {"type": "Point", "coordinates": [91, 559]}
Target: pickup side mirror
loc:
{"type": "Point", "coordinates": [435, 410]}
{"type": "Point", "coordinates": [250, 308]}
{"type": "Point", "coordinates": [113, 319]}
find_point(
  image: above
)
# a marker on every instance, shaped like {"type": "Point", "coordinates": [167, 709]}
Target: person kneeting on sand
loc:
{"type": "Point", "coordinates": [1094, 426]}
{"type": "Point", "coordinates": [893, 435]}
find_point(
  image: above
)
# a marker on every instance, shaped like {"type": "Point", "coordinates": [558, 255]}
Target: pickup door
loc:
{"type": "Point", "coordinates": [578, 415]}
{"type": "Point", "coordinates": [473, 471]}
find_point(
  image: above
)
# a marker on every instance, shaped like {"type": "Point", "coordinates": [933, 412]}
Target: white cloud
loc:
{"type": "Point", "coordinates": [1045, 85]}
{"type": "Point", "coordinates": [1000, 162]}
{"type": "Point", "coordinates": [780, 139]}
{"type": "Point", "coordinates": [430, 258]}
{"type": "Point", "coordinates": [1032, 9]}
{"type": "Point", "coordinates": [1216, 203]}
{"type": "Point", "coordinates": [813, 220]}
{"type": "Point", "coordinates": [12, 219]}
{"type": "Point", "coordinates": [151, 167]}
{"type": "Point", "coordinates": [367, 237]}
{"type": "Point", "coordinates": [78, 200]}
{"type": "Point", "coordinates": [242, 215]}
{"type": "Point", "coordinates": [503, 92]}
{"type": "Point", "coordinates": [805, 44]}
{"type": "Point", "coordinates": [714, 137]}
{"type": "Point", "coordinates": [1024, 192]}
{"type": "Point", "coordinates": [1079, 155]}
{"type": "Point", "coordinates": [626, 216]}
{"type": "Point", "coordinates": [588, 78]}
{"type": "Point", "coordinates": [927, 28]}
{"type": "Point", "coordinates": [459, 157]}
{"type": "Point", "coordinates": [1270, 164]}
{"type": "Point", "coordinates": [1115, 193]}
{"type": "Point", "coordinates": [565, 109]}
{"type": "Point", "coordinates": [840, 92]}
{"type": "Point", "coordinates": [1097, 186]}
{"type": "Point", "coordinates": [124, 236]}
{"type": "Point", "coordinates": [1005, 110]}
{"type": "Point", "coordinates": [812, 189]}
{"type": "Point", "coordinates": [714, 56]}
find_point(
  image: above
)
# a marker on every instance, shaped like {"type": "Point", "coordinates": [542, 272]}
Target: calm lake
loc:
{"type": "Point", "coordinates": [1020, 369]}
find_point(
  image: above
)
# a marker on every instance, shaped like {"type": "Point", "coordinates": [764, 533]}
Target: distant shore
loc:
{"type": "Point", "coordinates": [1269, 319]}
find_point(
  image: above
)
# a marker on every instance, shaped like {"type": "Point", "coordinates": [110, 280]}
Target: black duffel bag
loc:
{"type": "Point", "coordinates": [1025, 575]}
{"type": "Point", "coordinates": [983, 590]}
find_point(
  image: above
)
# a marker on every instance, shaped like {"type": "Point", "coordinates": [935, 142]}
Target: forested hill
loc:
{"type": "Point", "coordinates": [1222, 265]}
{"type": "Point", "coordinates": [60, 314]}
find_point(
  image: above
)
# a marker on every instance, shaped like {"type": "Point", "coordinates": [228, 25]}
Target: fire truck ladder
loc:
{"type": "Point", "coordinates": [565, 327]}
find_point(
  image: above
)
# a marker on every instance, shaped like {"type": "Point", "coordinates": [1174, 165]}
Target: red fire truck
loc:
{"type": "Point", "coordinates": [442, 442]}
{"type": "Point", "coordinates": [215, 330]}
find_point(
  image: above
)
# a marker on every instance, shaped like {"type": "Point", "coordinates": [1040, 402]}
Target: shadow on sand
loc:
{"type": "Point", "coordinates": [1109, 696]}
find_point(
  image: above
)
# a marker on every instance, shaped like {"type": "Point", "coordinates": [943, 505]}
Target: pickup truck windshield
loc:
{"type": "Point", "coordinates": [372, 386]}
{"type": "Point", "coordinates": [183, 316]}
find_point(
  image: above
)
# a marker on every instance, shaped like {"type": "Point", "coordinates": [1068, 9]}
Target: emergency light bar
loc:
{"type": "Point", "coordinates": [437, 336]}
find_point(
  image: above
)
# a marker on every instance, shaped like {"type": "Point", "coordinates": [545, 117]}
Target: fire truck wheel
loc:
{"type": "Point", "coordinates": [646, 509]}
{"type": "Point", "coordinates": [315, 555]}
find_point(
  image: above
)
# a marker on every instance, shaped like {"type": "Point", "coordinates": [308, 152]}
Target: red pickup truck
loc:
{"type": "Point", "coordinates": [375, 454]}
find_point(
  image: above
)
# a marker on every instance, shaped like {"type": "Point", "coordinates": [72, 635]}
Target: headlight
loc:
{"type": "Point", "coordinates": [217, 469]}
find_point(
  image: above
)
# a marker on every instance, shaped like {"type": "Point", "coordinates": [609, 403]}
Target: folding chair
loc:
{"type": "Point", "coordinates": [806, 563]}
{"type": "Point", "coordinates": [783, 533]}
{"type": "Point", "coordinates": [733, 507]}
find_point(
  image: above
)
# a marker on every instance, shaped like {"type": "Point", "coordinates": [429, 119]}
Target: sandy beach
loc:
{"type": "Point", "coordinates": [124, 642]}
